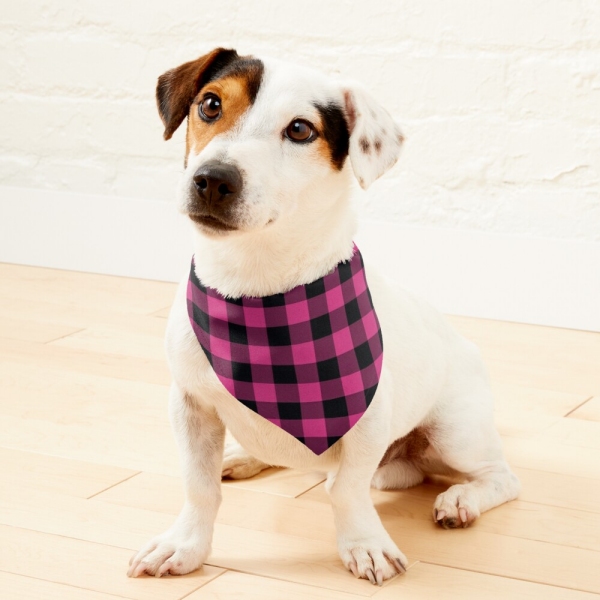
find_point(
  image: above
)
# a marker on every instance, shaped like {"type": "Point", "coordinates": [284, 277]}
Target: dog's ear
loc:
{"type": "Point", "coordinates": [375, 138]}
{"type": "Point", "coordinates": [177, 88]}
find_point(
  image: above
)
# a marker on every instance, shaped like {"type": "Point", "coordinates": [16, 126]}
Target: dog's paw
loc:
{"type": "Point", "coordinates": [238, 464]}
{"type": "Point", "coordinates": [170, 554]}
{"type": "Point", "coordinates": [456, 507]}
{"type": "Point", "coordinates": [372, 559]}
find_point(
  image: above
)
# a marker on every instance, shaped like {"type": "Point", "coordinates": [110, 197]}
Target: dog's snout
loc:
{"type": "Point", "coordinates": [216, 182]}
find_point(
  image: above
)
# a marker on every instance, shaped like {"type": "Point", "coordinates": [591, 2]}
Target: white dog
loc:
{"type": "Point", "coordinates": [266, 187]}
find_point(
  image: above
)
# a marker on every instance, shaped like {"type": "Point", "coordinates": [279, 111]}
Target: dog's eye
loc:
{"type": "Point", "coordinates": [210, 108]}
{"type": "Point", "coordinates": [299, 130]}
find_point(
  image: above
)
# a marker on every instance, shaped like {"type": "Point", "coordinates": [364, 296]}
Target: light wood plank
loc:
{"type": "Point", "coordinates": [529, 520]}
{"type": "Point", "coordinates": [520, 519]}
{"type": "Point", "coordinates": [496, 554]}
{"type": "Point", "coordinates": [282, 482]}
{"type": "Point", "coordinates": [78, 316]}
{"type": "Point", "coordinates": [590, 411]}
{"type": "Point", "coordinates": [74, 397]}
{"type": "Point", "coordinates": [399, 510]}
{"type": "Point", "coordinates": [106, 420]}
{"type": "Point", "coordinates": [86, 520]}
{"type": "Point", "coordinates": [551, 456]}
{"type": "Point", "coordinates": [488, 547]}
{"type": "Point", "coordinates": [72, 288]}
{"type": "Point", "coordinates": [49, 473]}
{"type": "Point", "coordinates": [95, 418]}
{"type": "Point", "coordinates": [120, 341]}
{"type": "Point", "coordinates": [312, 561]}
{"type": "Point", "coordinates": [122, 443]}
{"type": "Point", "coordinates": [426, 581]}
{"type": "Point", "coordinates": [573, 432]}
{"type": "Point", "coordinates": [90, 566]}
{"type": "Point", "coordinates": [556, 359]}
{"type": "Point", "coordinates": [164, 493]}
{"type": "Point", "coordinates": [555, 489]}
{"type": "Point", "coordinates": [148, 491]}
{"type": "Point", "coordinates": [18, 587]}
{"type": "Point", "coordinates": [30, 330]}
{"type": "Point", "coordinates": [522, 337]}
{"type": "Point", "coordinates": [524, 411]}
{"type": "Point", "coordinates": [564, 526]}
{"type": "Point", "coordinates": [250, 587]}
{"type": "Point", "coordinates": [82, 361]}
{"type": "Point", "coordinates": [281, 556]}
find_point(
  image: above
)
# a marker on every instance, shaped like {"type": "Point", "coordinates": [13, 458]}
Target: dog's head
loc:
{"type": "Point", "coordinates": [265, 139]}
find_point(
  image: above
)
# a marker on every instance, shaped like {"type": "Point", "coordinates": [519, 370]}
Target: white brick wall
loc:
{"type": "Point", "coordinates": [500, 99]}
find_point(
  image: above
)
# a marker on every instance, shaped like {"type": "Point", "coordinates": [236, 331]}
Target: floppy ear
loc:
{"type": "Point", "coordinates": [375, 138]}
{"type": "Point", "coordinates": [177, 88]}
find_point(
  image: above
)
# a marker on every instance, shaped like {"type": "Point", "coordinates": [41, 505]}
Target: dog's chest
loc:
{"type": "Point", "coordinates": [194, 375]}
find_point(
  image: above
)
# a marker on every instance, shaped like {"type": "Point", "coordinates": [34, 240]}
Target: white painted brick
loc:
{"type": "Point", "coordinates": [511, 24]}
{"type": "Point", "coordinates": [10, 59]}
{"type": "Point", "coordinates": [565, 87]}
{"type": "Point", "coordinates": [417, 86]}
{"type": "Point", "coordinates": [102, 66]}
{"type": "Point", "coordinates": [56, 174]}
{"type": "Point", "coordinates": [550, 151]}
{"type": "Point", "coordinates": [499, 99]}
{"type": "Point", "coordinates": [83, 128]}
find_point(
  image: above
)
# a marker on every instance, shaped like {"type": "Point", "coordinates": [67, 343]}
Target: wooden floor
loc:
{"type": "Point", "coordinates": [89, 470]}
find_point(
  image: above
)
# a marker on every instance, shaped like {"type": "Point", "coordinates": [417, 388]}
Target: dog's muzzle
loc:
{"type": "Point", "coordinates": [216, 187]}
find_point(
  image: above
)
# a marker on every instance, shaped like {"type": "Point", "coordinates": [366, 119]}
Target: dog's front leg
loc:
{"type": "Point", "coordinates": [364, 545]}
{"type": "Point", "coordinates": [184, 547]}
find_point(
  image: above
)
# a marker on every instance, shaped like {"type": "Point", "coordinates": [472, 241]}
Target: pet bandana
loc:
{"type": "Point", "coordinates": [308, 360]}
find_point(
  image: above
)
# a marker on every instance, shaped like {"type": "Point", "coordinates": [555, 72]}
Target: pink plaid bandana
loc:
{"type": "Point", "coordinates": [308, 360]}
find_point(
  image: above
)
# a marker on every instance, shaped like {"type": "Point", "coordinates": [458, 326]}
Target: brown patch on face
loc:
{"type": "Point", "coordinates": [365, 145]}
{"type": "Point", "coordinates": [411, 447]}
{"type": "Point", "coordinates": [236, 99]}
{"type": "Point", "coordinates": [334, 137]}
{"type": "Point", "coordinates": [377, 145]}
{"type": "Point", "coordinates": [177, 88]}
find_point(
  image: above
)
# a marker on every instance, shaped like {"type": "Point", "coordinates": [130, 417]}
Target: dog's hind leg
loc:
{"type": "Point", "coordinates": [400, 466]}
{"type": "Point", "coordinates": [238, 464]}
{"type": "Point", "coordinates": [398, 474]}
{"type": "Point", "coordinates": [468, 442]}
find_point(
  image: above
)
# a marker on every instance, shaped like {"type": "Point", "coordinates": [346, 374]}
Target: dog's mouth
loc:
{"type": "Point", "coordinates": [211, 222]}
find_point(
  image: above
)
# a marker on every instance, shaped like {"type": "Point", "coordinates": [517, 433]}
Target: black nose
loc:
{"type": "Point", "coordinates": [217, 183]}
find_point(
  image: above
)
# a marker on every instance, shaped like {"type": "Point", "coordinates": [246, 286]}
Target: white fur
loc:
{"type": "Point", "coordinates": [295, 225]}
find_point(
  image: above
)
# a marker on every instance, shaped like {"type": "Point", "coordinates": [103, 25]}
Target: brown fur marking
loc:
{"type": "Point", "coordinates": [350, 110]}
{"type": "Point", "coordinates": [411, 447]}
{"type": "Point", "coordinates": [377, 145]}
{"type": "Point", "coordinates": [365, 145]}
{"type": "Point", "coordinates": [235, 101]}
{"type": "Point", "coordinates": [334, 138]}
{"type": "Point", "coordinates": [177, 88]}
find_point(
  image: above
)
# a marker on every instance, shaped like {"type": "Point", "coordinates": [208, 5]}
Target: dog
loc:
{"type": "Point", "coordinates": [271, 150]}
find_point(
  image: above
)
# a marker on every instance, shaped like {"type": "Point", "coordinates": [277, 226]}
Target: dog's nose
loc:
{"type": "Point", "coordinates": [216, 181]}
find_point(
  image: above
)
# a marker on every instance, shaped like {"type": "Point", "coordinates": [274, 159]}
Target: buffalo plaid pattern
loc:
{"type": "Point", "coordinates": [308, 360]}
